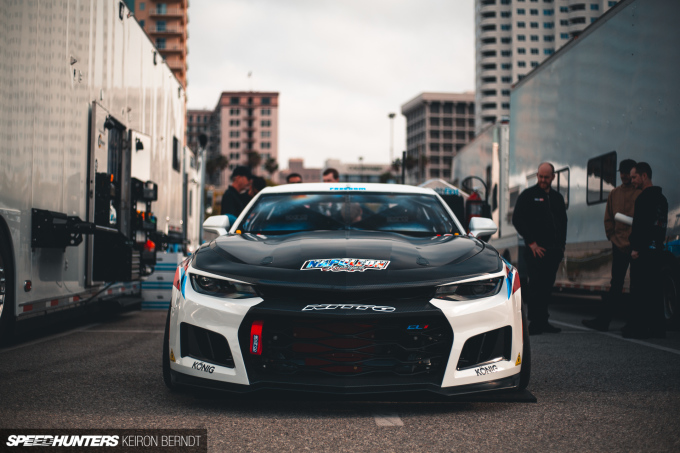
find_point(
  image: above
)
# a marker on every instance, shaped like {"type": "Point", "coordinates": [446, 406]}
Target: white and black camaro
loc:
{"type": "Point", "coordinates": [347, 288]}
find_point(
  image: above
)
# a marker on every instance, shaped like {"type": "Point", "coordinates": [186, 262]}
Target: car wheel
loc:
{"type": "Point", "coordinates": [166, 356]}
{"type": "Point", "coordinates": [670, 299]}
{"type": "Point", "coordinates": [525, 372]}
{"type": "Point", "coordinates": [7, 319]}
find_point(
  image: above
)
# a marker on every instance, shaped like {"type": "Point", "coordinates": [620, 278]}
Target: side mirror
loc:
{"type": "Point", "coordinates": [215, 226]}
{"type": "Point", "coordinates": [482, 227]}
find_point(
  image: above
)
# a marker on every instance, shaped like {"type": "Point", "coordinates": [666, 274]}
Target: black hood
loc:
{"type": "Point", "coordinates": [413, 261]}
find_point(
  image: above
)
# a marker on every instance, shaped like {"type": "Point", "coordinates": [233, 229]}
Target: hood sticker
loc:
{"type": "Point", "coordinates": [345, 265]}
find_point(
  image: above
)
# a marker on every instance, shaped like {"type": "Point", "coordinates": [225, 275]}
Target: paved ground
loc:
{"type": "Point", "coordinates": [595, 392]}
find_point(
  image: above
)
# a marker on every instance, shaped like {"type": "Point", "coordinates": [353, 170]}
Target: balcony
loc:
{"type": "Point", "coordinates": [171, 48]}
{"type": "Point", "coordinates": [166, 30]}
{"type": "Point", "coordinates": [167, 12]}
{"type": "Point", "coordinates": [176, 65]}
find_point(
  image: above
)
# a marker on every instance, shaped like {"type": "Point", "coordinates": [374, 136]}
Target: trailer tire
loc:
{"type": "Point", "coordinates": [167, 375]}
{"type": "Point", "coordinates": [525, 371]}
{"type": "Point", "coordinates": [7, 315]}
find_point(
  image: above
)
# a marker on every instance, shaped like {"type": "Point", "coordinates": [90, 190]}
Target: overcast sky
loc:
{"type": "Point", "coordinates": [340, 66]}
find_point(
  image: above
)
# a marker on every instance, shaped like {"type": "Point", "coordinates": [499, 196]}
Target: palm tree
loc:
{"type": "Point", "coordinates": [254, 159]}
{"type": "Point", "coordinates": [271, 166]}
{"type": "Point", "coordinates": [215, 165]}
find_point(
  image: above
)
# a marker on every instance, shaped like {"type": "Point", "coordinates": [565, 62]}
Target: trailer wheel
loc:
{"type": "Point", "coordinates": [7, 318]}
{"type": "Point", "coordinates": [166, 356]}
{"type": "Point", "coordinates": [525, 372]}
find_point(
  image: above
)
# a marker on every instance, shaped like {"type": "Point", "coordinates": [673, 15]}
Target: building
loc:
{"type": "Point", "coordinates": [359, 171]}
{"type": "Point", "coordinates": [166, 22]}
{"type": "Point", "coordinates": [437, 126]}
{"type": "Point", "coordinates": [514, 36]}
{"type": "Point", "coordinates": [198, 122]}
{"type": "Point", "coordinates": [298, 166]}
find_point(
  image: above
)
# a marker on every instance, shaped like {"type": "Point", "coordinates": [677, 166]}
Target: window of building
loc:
{"type": "Point", "coordinates": [521, 25]}
{"type": "Point", "coordinates": [534, 64]}
{"type": "Point", "coordinates": [548, 38]}
{"type": "Point", "coordinates": [577, 20]}
{"type": "Point", "coordinates": [534, 51]}
{"type": "Point", "coordinates": [234, 111]}
{"type": "Point", "coordinates": [434, 173]}
{"type": "Point", "coordinates": [506, 79]}
{"type": "Point", "coordinates": [506, 40]}
{"type": "Point", "coordinates": [521, 38]}
{"type": "Point", "coordinates": [160, 43]}
{"type": "Point", "coordinates": [447, 135]}
{"type": "Point", "coordinates": [205, 119]}
{"type": "Point", "coordinates": [521, 11]}
{"type": "Point", "coordinates": [533, 24]}
{"type": "Point", "coordinates": [601, 178]}
{"type": "Point", "coordinates": [506, 66]}
{"type": "Point", "coordinates": [142, 6]}
{"type": "Point", "coordinates": [434, 107]}
{"type": "Point", "coordinates": [448, 108]}
{"type": "Point", "coordinates": [265, 134]}
{"type": "Point", "coordinates": [489, 27]}
{"type": "Point", "coordinates": [488, 2]}
{"type": "Point", "coordinates": [485, 106]}
{"type": "Point", "coordinates": [234, 122]}
{"type": "Point", "coordinates": [534, 37]}
{"type": "Point", "coordinates": [520, 76]}
{"type": "Point", "coordinates": [265, 123]}
{"type": "Point", "coordinates": [488, 66]}
{"type": "Point", "coordinates": [447, 147]}
{"type": "Point", "coordinates": [489, 53]}
{"type": "Point", "coordinates": [434, 134]}
{"type": "Point", "coordinates": [434, 147]}
{"type": "Point", "coordinates": [594, 7]}
{"type": "Point", "coordinates": [564, 9]}
{"type": "Point", "coordinates": [505, 92]}
{"type": "Point", "coordinates": [434, 159]}
{"type": "Point", "coordinates": [521, 51]}
{"type": "Point", "coordinates": [549, 25]}
{"type": "Point", "coordinates": [548, 12]}
{"type": "Point", "coordinates": [142, 22]}
{"type": "Point", "coordinates": [533, 12]}
{"type": "Point", "coordinates": [522, 64]}
{"type": "Point", "coordinates": [548, 51]}
{"type": "Point", "coordinates": [506, 53]}
{"type": "Point", "coordinates": [505, 14]}
{"type": "Point", "coordinates": [593, 19]}
{"type": "Point", "coordinates": [266, 101]}
{"type": "Point", "coordinates": [161, 25]}
{"type": "Point", "coordinates": [488, 79]}
{"type": "Point", "coordinates": [505, 106]}
{"type": "Point", "coordinates": [489, 14]}
{"type": "Point", "coordinates": [191, 118]}
{"type": "Point", "coordinates": [506, 27]}
{"type": "Point", "coordinates": [266, 111]}
{"type": "Point", "coordinates": [489, 41]}
{"type": "Point", "coordinates": [507, 2]}
{"type": "Point", "coordinates": [234, 100]}
{"type": "Point", "coordinates": [448, 122]}
{"type": "Point", "coordinates": [564, 35]}
{"type": "Point", "coordinates": [235, 145]}
{"type": "Point", "coordinates": [234, 134]}
{"type": "Point", "coordinates": [612, 3]}
{"type": "Point", "coordinates": [564, 22]}
{"type": "Point", "coordinates": [434, 121]}
{"type": "Point", "coordinates": [266, 145]}
{"type": "Point", "coordinates": [577, 7]}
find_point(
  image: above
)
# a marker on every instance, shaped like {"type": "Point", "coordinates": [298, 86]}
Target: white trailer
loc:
{"type": "Point", "coordinates": [90, 118]}
{"type": "Point", "coordinates": [611, 94]}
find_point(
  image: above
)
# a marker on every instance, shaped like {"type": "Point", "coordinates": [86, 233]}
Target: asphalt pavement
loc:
{"type": "Point", "coordinates": [594, 392]}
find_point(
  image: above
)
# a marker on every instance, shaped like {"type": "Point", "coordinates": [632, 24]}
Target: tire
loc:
{"type": "Point", "coordinates": [671, 300]}
{"type": "Point", "coordinates": [167, 378]}
{"type": "Point", "coordinates": [525, 372]}
{"type": "Point", "coordinates": [7, 316]}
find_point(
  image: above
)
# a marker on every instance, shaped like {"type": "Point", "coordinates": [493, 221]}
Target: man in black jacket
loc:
{"type": "Point", "coordinates": [232, 201]}
{"type": "Point", "coordinates": [540, 217]}
{"type": "Point", "coordinates": [647, 243]}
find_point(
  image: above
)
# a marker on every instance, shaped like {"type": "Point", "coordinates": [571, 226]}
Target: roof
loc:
{"type": "Point", "coordinates": [348, 187]}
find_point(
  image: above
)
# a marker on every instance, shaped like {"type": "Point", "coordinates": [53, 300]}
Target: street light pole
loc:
{"type": "Point", "coordinates": [203, 141]}
{"type": "Point", "coordinates": [391, 117]}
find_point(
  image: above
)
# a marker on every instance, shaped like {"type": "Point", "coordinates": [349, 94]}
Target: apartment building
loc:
{"type": "Point", "coordinates": [437, 126]}
{"type": "Point", "coordinates": [514, 36]}
{"type": "Point", "coordinates": [166, 24]}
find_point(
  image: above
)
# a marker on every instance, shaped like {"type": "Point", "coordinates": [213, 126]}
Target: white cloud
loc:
{"type": "Point", "coordinates": [340, 66]}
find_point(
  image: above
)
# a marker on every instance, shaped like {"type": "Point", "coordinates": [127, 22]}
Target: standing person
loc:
{"type": "Point", "coordinates": [540, 217]}
{"type": "Point", "coordinates": [232, 201]}
{"type": "Point", "coordinates": [330, 175]}
{"type": "Point", "coordinates": [293, 178]}
{"type": "Point", "coordinates": [622, 199]}
{"type": "Point", "coordinates": [647, 243]}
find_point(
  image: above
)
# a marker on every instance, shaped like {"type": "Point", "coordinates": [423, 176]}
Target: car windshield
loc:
{"type": "Point", "coordinates": [412, 214]}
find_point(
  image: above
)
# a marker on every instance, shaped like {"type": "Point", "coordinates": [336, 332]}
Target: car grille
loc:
{"type": "Point", "coordinates": [486, 347]}
{"type": "Point", "coordinates": [348, 350]}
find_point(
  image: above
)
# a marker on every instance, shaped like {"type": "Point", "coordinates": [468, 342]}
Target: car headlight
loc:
{"type": "Point", "coordinates": [470, 290]}
{"type": "Point", "coordinates": [221, 288]}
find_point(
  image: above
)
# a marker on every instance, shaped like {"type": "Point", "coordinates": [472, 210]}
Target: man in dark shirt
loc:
{"type": "Point", "coordinates": [647, 243]}
{"type": "Point", "coordinates": [232, 201]}
{"type": "Point", "coordinates": [540, 217]}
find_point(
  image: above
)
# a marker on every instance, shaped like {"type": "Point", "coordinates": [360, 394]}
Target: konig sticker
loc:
{"type": "Point", "coordinates": [345, 265]}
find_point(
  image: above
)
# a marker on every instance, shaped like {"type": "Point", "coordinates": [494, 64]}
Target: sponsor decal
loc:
{"type": "Point", "coordinates": [482, 371]}
{"type": "Point", "coordinates": [347, 188]}
{"type": "Point", "coordinates": [172, 356]}
{"type": "Point", "coordinates": [509, 283]}
{"type": "Point", "coordinates": [200, 366]}
{"type": "Point", "coordinates": [360, 307]}
{"type": "Point", "coordinates": [345, 265]}
{"type": "Point", "coordinates": [417, 327]}
{"type": "Point", "coordinates": [519, 360]}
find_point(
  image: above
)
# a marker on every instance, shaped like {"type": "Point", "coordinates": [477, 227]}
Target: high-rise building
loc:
{"type": "Point", "coordinates": [514, 36]}
{"type": "Point", "coordinates": [437, 126]}
{"type": "Point", "coordinates": [166, 21]}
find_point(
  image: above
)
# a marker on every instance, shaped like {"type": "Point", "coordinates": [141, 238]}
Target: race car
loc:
{"type": "Point", "coordinates": [350, 289]}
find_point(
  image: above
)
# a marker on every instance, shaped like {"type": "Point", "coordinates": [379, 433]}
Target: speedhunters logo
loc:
{"type": "Point", "coordinates": [345, 265]}
{"type": "Point", "coordinates": [61, 441]}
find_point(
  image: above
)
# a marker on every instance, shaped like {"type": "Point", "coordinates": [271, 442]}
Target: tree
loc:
{"type": "Point", "coordinates": [254, 159]}
{"type": "Point", "coordinates": [271, 166]}
{"type": "Point", "coordinates": [386, 177]}
{"type": "Point", "coordinates": [215, 165]}
{"type": "Point", "coordinates": [396, 165]}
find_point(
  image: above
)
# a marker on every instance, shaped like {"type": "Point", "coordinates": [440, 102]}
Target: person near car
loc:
{"type": "Point", "coordinates": [647, 238]}
{"type": "Point", "coordinates": [232, 200]}
{"type": "Point", "coordinates": [330, 175]}
{"type": "Point", "coordinates": [620, 200]}
{"type": "Point", "coordinates": [540, 217]}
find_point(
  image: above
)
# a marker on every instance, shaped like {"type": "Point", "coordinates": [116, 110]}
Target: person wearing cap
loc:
{"type": "Point", "coordinates": [621, 199]}
{"type": "Point", "coordinates": [232, 201]}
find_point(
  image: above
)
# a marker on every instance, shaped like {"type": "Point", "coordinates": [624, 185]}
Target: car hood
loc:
{"type": "Point", "coordinates": [413, 261]}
